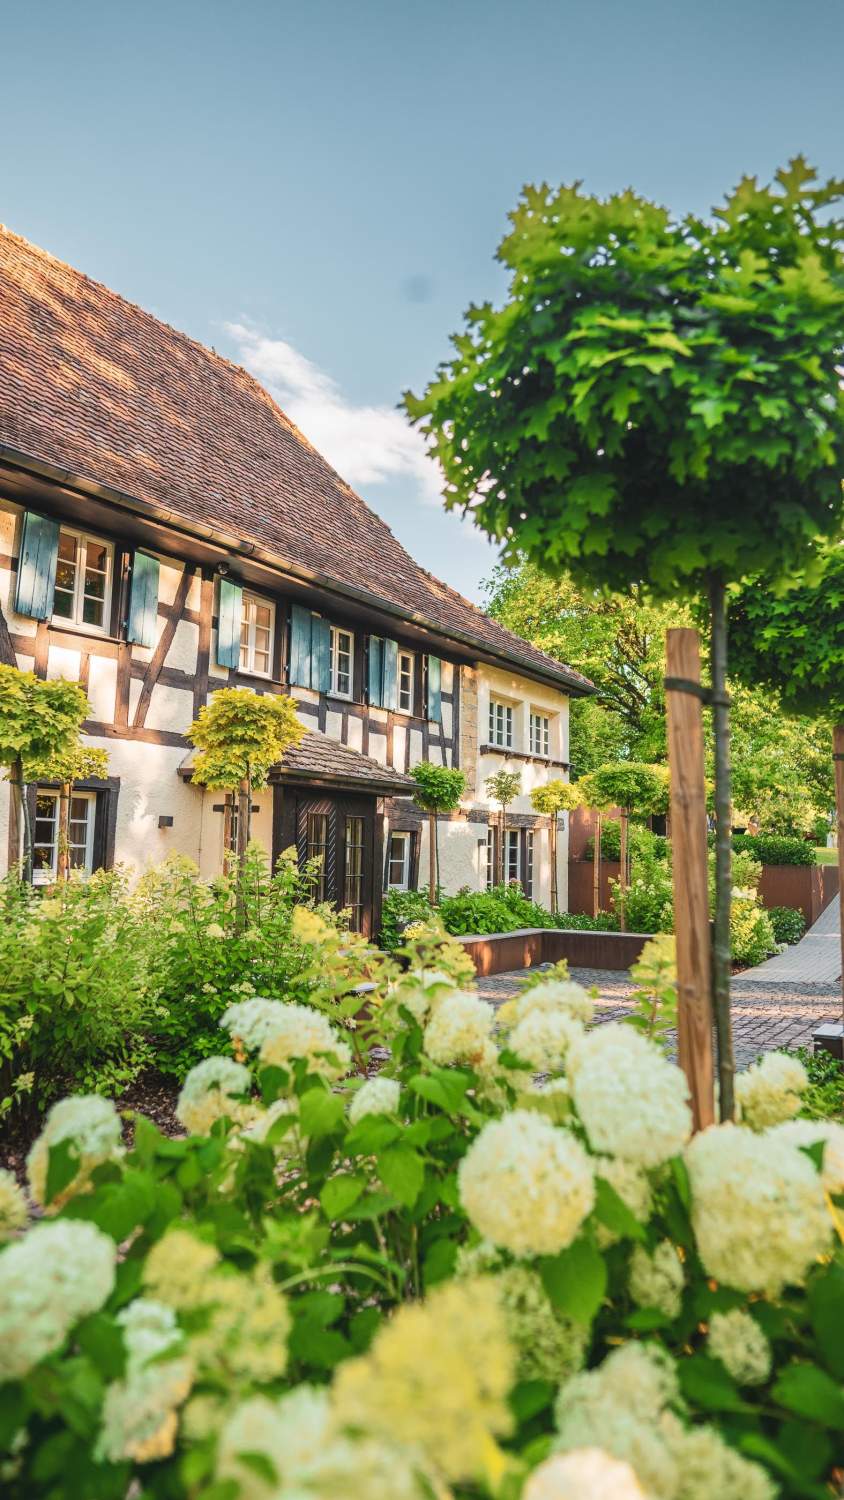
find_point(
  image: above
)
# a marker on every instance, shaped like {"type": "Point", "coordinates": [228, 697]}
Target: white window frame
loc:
{"type": "Point", "coordinates": [530, 850]}
{"type": "Point", "coordinates": [490, 857]}
{"type": "Point", "coordinates": [540, 733]}
{"type": "Point", "coordinates": [252, 602]}
{"type": "Point", "coordinates": [514, 841]}
{"type": "Point", "coordinates": [501, 724]}
{"type": "Point", "coordinates": [408, 672]}
{"type": "Point", "coordinates": [46, 874]}
{"type": "Point", "coordinates": [404, 840]}
{"type": "Point", "coordinates": [75, 620]}
{"type": "Point", "coordinates": [336, 632]}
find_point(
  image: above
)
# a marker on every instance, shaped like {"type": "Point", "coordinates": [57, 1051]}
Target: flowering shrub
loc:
{"type": "Point", "coordinates": [503, 909]}
{"type": "Point", "coordinates": [387, 1262]}
{"type": "Point", "coordinates": [788, 923]}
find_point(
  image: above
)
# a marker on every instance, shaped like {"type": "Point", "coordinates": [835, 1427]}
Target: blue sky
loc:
{"type": "Point", "coordinates": [317, 188]}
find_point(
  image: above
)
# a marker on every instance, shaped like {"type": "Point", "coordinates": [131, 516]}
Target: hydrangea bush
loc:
{"type": "Point", "coordinates": [409, 1248]}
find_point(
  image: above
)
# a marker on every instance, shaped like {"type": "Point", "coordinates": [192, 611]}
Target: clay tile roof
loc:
{"type": "Point", "coordinates": [319, 758]}
{"type": "Point", "coordinates": [92, 384]}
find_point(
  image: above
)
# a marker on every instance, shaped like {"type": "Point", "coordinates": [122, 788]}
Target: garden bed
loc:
{"type": "Point", "coordinates": [499, 952]}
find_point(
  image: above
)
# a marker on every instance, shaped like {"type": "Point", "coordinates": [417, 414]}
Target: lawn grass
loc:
{"type": "Point", "coordinates": [826, 856]}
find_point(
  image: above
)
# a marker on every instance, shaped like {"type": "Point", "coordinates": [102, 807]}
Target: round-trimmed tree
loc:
{"type": "Point", "coordinates": [657, 403]}
{"type": "Point", "coordinates": [551, 799]}
{"type": "Point", "coordinates": [503, 787]}
{"type": "Point", "coordinates": [634, 788]}
{"type": "Point", "coordinates": [39, 725]}
{"type": "Point", "coordinates": [438, 790]}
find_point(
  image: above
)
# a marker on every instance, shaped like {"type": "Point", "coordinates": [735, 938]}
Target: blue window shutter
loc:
{"type": "Point", "coordinates": [320, 654]}
{"type": "Point", "coordinates": [376, 670]}
{"type": "Point", "coordinates": [390, 697]}
{"type": "Point", "coordinates": [229, 618]}
{"type": "Point", "coordinates": [435, 702]}
{"type": "Point", "coordinates": [300, 646]}
{"type": "Point", "coordinates": [37, 566]}
{"type": "Point", "coordinates": [143, 600]}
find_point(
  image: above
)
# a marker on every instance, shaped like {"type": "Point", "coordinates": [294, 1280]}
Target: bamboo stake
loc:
{"type": "Point", "coordinates": [838, 749]}
{"type": "Point", "coordinates": [691, 883]}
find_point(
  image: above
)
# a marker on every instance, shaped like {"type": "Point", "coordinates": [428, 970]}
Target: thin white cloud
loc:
{"type": "Point", "coordinates": [366, 444]}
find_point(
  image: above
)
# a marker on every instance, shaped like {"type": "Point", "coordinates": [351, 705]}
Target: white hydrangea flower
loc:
{"type": "Point", "coordinates": [378, 1096]}
{"type": "Point", "coordinates": [657, 1280]}
{"type": "Point", "coordinates": [91, 1127]}
{"type": "Point", "coordinates": [631, 1100]}
{"type": "Point", "coordinates": [208, 1093]}
{"type": "Point", "coordinates": [633, 1188]}
{"type": "Point", "coordinates": [543, 1039]}
{"type": "Point", "coordinates": [812, 1133]}
{"type": "Point", "coordinates": [769, 1091]}
{"type": "Point", "coordinates": [13, 1210]}
{"type": "Point", "coordinates": [459, 1029]}
{"type": "Point", "coordinates": [548, 1096]}
{"type": "Point", "coordinates": [758, 1208]}
{"type": "Point", "coordinates": [300, 1031]}
{"type": "Point", "coordinates": [291, 1143]}
{"type": "Point", "coordinates": [621, 1407]}
{"type": "Point", "coordinates": [178, 1269]}
{"type": "Point", "coordinates": [709, 1467]}
{"type": "Point", "coordinates": [252, 1021]}
{"type": "Point", "coordinates": [583, 1474]}
{"type": "Point", "coordinates": [526, 1185]}
{"type": "Point", "coordinates": [290, 1433]}
{"type": "Point", "coordinates": [139, 1418]}
{"type": "Point", "coordinates": [737, 1340]}
{"type": "Point", "coordinates": [50, 1279]}
{"type": "Point", "coordinates": [552, 995]}
{"type": "Point", "coordinates": [548, 1345]}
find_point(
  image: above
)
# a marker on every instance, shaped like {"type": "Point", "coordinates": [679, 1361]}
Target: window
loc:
{"type": "Point", "coordinates": [539, 734]}
{"type": "Point", "coordinates": [398, 862]}
{"type": "Point", "coordinates": [342, 655]}
{"type": "Point", "coordinates": [491, 856]}
{"type": "Point", "coordinates": [317, 847]}
{"type": "Point", "coordinates": [500, 724]}
{"type": "Point", "coordinates": [45, 852]}
{"type": "Point", "coordinates": [528, 882]}
{"type": "Point", "coordinates": [256, 636]}
{"type": "Point", "coordinates": [406, 682]}
{"type": "Point", "coordinates": [353, 898]}
{"type": "Point", "coordinates": [83, 580]}
{"type": "Point", "coordinates": [513, 866]}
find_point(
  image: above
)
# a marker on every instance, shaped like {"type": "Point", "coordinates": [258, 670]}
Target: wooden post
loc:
{"type": "Point", "coordinates": [243, 798]}
{"type": "Point", "coordinates": [623, 836]}
{"type": "Point", "coordinates": [553, 837]}
{"type": "Point", "coordinates": [838, 752]}
{"type": "Point", "coordinates": [596, 866]}
{"type": "Point", "coordinates": [63, 833]}
{"type": "Point", "coordinates": [691, 882]}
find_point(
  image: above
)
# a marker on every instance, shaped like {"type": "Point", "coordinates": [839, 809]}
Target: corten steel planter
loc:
{"type": "Point", "coordinates": [498, 952]}
{"type": "Point", "coordinates": [808, 888]}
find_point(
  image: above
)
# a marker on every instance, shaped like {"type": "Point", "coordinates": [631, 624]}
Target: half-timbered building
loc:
{"type": "Point", "coordinates": [165, 531]}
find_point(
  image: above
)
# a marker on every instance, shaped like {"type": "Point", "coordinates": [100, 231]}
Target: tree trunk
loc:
{"type": "Point", "coordinates": [554, 891]}
{"type": "Point", "coordinates": [229, 852]}
{"type": "Point", "coordinates": [596, 867]}
{"type": "Point", "coordinates": [622, 874]}
{"type": "Point", "coordinates": [723, 849]}
{"type": "Point", "coordinates": [25, 824]}
{"type": "Point", "coordinates": [838, 751]}
{"type": "Point", "coordinates": [502, 852]}
{"type": "Point", "coordinates": [63, 835]}
{"type": "Point", "coordinates": [432, 858]}
{"type": "Point", "coordinates": [244, 799]}
{"type": "Point", "coordinates": [691, 875]}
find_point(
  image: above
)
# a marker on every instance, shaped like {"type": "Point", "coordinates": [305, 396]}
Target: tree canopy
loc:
{"type": "Point", "coordinates": [39, 719]}
{"type": "Point", "coordinates": [634, 787]}
{"type": "Point", "coordinates": [438, 788]}
{"type": "Point", "coordinates": [556, 796]}
{"type": "Point", "coordinates": [241, 735]}
{"type": "Point", "coordinates": [658, 399]}
{"type": "Point", "coordinates": [794, 641]}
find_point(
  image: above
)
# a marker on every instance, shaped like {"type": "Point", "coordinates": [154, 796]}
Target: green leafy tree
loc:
{"type": "Point", "coordinates": [657, 403]}
{"type": "Point", "coordinates": [503, 787]}
{"type": "Point", "coordinates": [240, 737]}
{"type": "Point", "coordinates": [635, 789]}
{"type": "Point", "coordinates": [551, 799]}
{"type": "Point", "coordinates": [438, 790]}
{"type": "Point", "coordinates": [39, 724]}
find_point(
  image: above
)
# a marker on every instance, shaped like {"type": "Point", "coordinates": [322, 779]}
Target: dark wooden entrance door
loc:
{"type": "Point", "coordinates": [338, 831]}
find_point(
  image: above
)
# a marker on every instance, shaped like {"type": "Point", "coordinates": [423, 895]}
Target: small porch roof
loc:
{"type": "Point", "coordinates": [319, 760]}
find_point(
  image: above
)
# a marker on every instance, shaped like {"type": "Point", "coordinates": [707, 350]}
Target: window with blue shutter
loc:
{"type": "Point", "coordinates": [376, 670]}
{"type": "Point", "coordinates": [143, 600]}
{"type": "Point", "coordinates": [37, 566]}
{"type": "Point", "coordinates": [310, 650]}
{"type": "Point", "coordinates": [229, 619]}
{"type": "Point", "coordinates": [390, 692]}
{"type": "Point", "coordinates": [320, 654]}
{"type": "Point", "coordinates": [435, 702]}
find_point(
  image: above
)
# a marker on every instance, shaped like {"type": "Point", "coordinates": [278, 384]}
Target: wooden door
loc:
{"type": "Point", "coordinates": [339, 833]}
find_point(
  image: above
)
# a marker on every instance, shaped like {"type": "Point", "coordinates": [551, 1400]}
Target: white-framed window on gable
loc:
{"type": "Point", "coordinates": [342, 661]}
{"type": "Point", "coordinates": [405, 687]}
{"type": "Point", "coordinates": [257, 627]}
{"type": "Point", "coordinates": [540, 733]}
{"type": "Point", "coordinates": [82, 593]}
{"type": "Point", "coordinates": [398, 862]}
{"type": "Point", "coordinates": [500, 724]}
{"type": "Point", "coordinates": [45, 842]}
{"type": "Point", "coordinates": [512, 863]}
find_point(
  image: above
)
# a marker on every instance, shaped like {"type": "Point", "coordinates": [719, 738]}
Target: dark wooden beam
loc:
{"type": "Point", "coordinates": [165, 641]}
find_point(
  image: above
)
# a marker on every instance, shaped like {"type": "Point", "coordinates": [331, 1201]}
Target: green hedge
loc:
{"type": "Point", "coordinates": [775, 849]}
{"type": "Point", "coordinates": [788, 923]}
{"type": "Point", "coordinates": [503, 909]}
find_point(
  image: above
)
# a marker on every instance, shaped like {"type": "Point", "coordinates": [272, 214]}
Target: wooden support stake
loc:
{"type": "Point", "coordinates": [596, 867]}
{"type": "Point", "coordinates": [623, 835]}
{"type": "Point", "coordinates": [691, 883]}
{"type": "Point", "coordinates": [838, 748]}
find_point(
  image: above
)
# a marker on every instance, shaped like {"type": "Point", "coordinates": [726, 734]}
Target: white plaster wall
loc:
{"type": "Point", "coordinates": [170, 708]}
{"type": "Point", "coordinates": [212, 828]}
{"type": "Point", "coordinates": [62, 662]}
{"type": "Point", "coordinates": [356, 734]}
{"type": "Point", "coordinates": [460, 856]}
{"type": "Point", "coordinates": [334, 725]}
{"type": "Point", "coordinates": [150, 787]}
{"type": "Point", "coordinates": [102, 686]}
{"type": "Point", "coordinates": [399, 741]}
{"type": "Point", "coordinates": [523, 695]}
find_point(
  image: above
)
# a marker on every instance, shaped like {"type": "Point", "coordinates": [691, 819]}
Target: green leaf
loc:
{"type": "Point", "coordinates": [100, 1338]}
{"type": "Point", "coordinates": [363, 1328]}
{"type": "Point", "coordinates": [810, 1392]}
{"type": "Point", "coordinates": [613, 1212]}
{"type": "Point", "coordinates": [826, 1310]}
{"type": "Point", "coordinates": [445, 1088]}
{"type": "Point", "coordinates": [339, 1193]}
{"type": "Point", "coordinates": [576, 1279]}
{"type": "Point", "coordinates": [439, 1262]}
{"type": "Point", "coordinates": [371, 1134]}
{"type": "Point", "coordinates": [402, 1172]}
{"type": "Point", "coordinates": [62, 1167]}
{"type": "Point", "coordinates": [320, 1112]}
{"type": "Point", "coordinates": [705, 1383]}
{"type": "Point", "coordinates": [530, 1397]}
